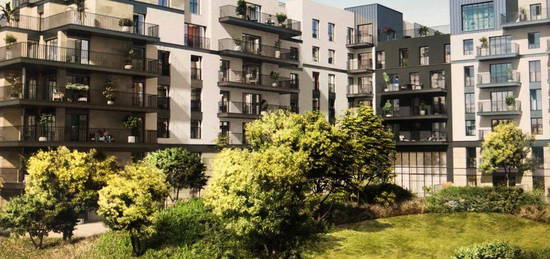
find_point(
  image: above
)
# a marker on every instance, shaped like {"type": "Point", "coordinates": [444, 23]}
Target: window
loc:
{"type": "Point", "coordinates": [501, 73]}
{"type": "Point", "coordinates": [294, 53]}
{"type": "Point", "coordinates": [315, 105]}
{"type": "Point", "coordinates": [163, 127]}
{"type": "Point", "coordinates": [331, 83]}
{"type": "Point", "coordinates": [195, 129]}
{"type": "Point", "coordinates": [196, 73]}
{"type": "Point", "coordinates": [380, 60]}
{"type": "Point", "coordinates": [470, 103]}
{"type": "Point", "coordinates": [164, 60]}
{"type": "Point", "coordinates": [536, 126]}
{"type": "Point", "coordinates": [331, 31]}
{"type": "Point", "coordinates": [438, 79]}
{"type": "Point", "coordinates": [469, 76]}
{"type": "Point", "coordinates": [194, 36]}
{"type": "Point", "coordinates": [315, 54]}
{"type": "Point", "coordinates": [470, 128]}
{"type": "Point", "coordinates": [365, 60]}
{"type": "Point", "coordinates": [225, 128]}
{"type": "Point", "coordinates": [536, 99]}
{"type": "Point", "coordinates": [471, 157]}
{"type": "Point", "coordinates": [478, 16]}
{"type": "Point", "coordinates": [403, 57]}
{"type": "Point", "coordinates": [315, 80]}
{"type": "Point", "coordinates": [534, 71]}
{"type": "Point", "coordinates": [196, 99]}
{"type": "Point", "coordinates": [294, 81]}
{"type": "Point", "coordinates": [414, 80]}
{"type": "Point", "coordinates": [538, 156]}
{"type": "Point", "coordinates": [447, 48]}
{"type": "Point", "coordinates": [424, 56]}
{"type": "Point", "coordinates": [315, 28]}
{"type": "Point", "coordinates": [165, 3]}
{"type": "Point", "coordinates": [468, 47]}
{"type": "Point", "coordinates": [535, 10]}
{"type": "Point", "coordinates": [331, 54]}
{"type": "Point", "coordinates": [498, 100]}
{"type": "Point", "coordinates": [534, 40]}
{"type": "Point", "coordinates": [194, 6]}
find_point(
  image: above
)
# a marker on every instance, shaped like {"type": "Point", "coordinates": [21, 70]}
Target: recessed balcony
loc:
{"type": "Point", "coordinates": [255, 51]}
{"type": "Point", "coordinates": [254, 81]}
{"type": "Point", "coordinates": [523, 18]}
{"type": "Point", "coordinates": [493, 80]}
{"type": "Point", "coordinates": [244, 110]}
{"type": "Point", "coordinates": [497, 108]}
{"type": "Point", "coordinates": [253, 19]}
{"type": "Point", "coordinates": [421, 137]}
{"type": "Point", "coordinates": [358, 41]}
{"type": "Point", "coordinates": [415, 89]}
{"type": "Point", "coordinates": [359, 67]}
{"type": "Point", "coordinates": [358, 91]}
{"type": "Point", "coordinates": [47, 55]}
{"type": "Point", "coordinates": [417, 112]}
{"type": "Point", "coordinates": [505, 50]}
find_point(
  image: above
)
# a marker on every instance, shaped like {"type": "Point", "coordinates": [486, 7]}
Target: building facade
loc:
{"type": "Point", "coordinates": [499, 70]}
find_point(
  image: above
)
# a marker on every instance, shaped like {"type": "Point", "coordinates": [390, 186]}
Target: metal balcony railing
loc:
{"type": "Point", "coordinates": [493, 78]}
{"type": "Point", "coordinates": [501, 49]}
{"type": "Point", "coordinates": [360, 89]}
{"type": "Point", "coordinates": [358, 39]}
{"type": "Point", "coordinates": [248, 108]}
{"type": "Point", "coordinates": [78, 57]}
{"type": "Point", "coordinates": [22, 22]}
{"type": "Point", "coordinates": [196, 73]}
{"type": "Point", "coordinates": [251, 47]}
{"type": "Point", "coordinates": [499, 106]}
{"type": "Point", "coordinates": [197, 42]}
{"type": "Point", "coordinates": [418, 110]}
{"type": "Point", "coordinates": [259, 17]}
{"type": "Point", "coordinates": [523, 16]}
{"type": "Point", "coordinates": [12, 175]}
{"type": "Point", "coordinates": [355, 64]}
{"type": "Point", "coordinates": [421, 136]}
{"type": "Point", "coordinates": [99, 21]}
{"type": "Point", "coordinates": [243, 77]}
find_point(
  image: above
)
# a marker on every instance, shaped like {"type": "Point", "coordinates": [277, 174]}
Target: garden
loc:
{"type": "Point", "coordinates": [303, 188]}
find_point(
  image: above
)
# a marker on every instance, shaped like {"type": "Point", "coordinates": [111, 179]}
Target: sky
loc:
{"type": "Point", "coordinates": [426, 12]}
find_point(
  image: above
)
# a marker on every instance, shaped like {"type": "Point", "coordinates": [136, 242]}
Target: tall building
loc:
{"type": "Point", "coordinates": [499, 51]}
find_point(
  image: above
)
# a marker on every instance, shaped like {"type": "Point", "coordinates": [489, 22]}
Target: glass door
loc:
{"type": "Point", "coordinates": [138, 93]}
{"type": "Point", "coordinates": [31, 89]}
{"type": "Point", "coordinates": [139, 23]}
{"type": "Point", "coordinates": [77, 127]}
{"type": "Point", "coordinates": [224, 102]}
{"type": "Point", "coordinates": [252, 103]}
{"type": "Point", "coordinates": [51, 49]}
{"type": "Point", "coordinates": [82, 51]}
{"type": "Point", "coordinates": [252, 44]}
{"type": "Point", "coordinates": [252, 73]}
{"type": "Point", "coordinates": [224, 70]}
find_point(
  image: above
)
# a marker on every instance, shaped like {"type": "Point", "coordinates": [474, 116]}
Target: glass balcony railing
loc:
{"type": "Point", "coordinates": [523, 16]}
{"type": "Point", "coordinates": [263, 18]}
{"type": "Point", "coordinates": [421, 136]}
{"type": "Point", "coordinates": [252, 79]}
{"type": "Point", "coordinates": [248, 108]}
{"type": "Point", "coordinates": [498, 50]}
{"type": "Point", "coordinates": [360, 39]}
{"type": "Point", "coordinates": [417, 111]}
{"type": "Point", "coordinates": [359, 65]}
{"type": "Point", "coordinates": [253, 48]}
{"type": "Point", "coordinates": [489, 106]}
{"type": "Point", "coordinates": [494, 78]}
{"type": "Point", "coordinates": [360, 89]}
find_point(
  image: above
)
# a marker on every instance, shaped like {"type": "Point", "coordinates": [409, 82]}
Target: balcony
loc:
{"type": "Point", "coordinates": [414, 89]}
{"type": "Point", "coordinates": [232, 139]}
{"type": "Point", "coordinates": [483, 133]}
{"type": "Point", "coordinates": [102, 24]}
{"type": "Point", "coordinates": [522, 18]}
{"type": "Point", "coordinates": [22, 22]}
{"type": "Point", "coordinates": [251, 81]}
{"type": "Point", "coordinates": [357, 41]}
{"type": "Point", "coordinates": [12, 175]}
{"type": "Point", "coordinates": [358, 67]}
{"type": "Point", "coordinates": [77, 59]}
{"type": "Point", "coordinates": [260, 21]}
{"type": "Point", "coordinates": [197, 42]}
{"type": "Point", "coordinates": [360, 91]}
{"type": "Point", "coordinates": [419, 112]}
{"type": "Point", "coordinates": [78, 99]}
{"type": "Point", "coordinates": [251, 50]}
{"type": "Point", "coordinates": [493, 108]}
{"type": "Point", "coordinates": [244, 110]}
{"type": "Point", "coordinates": [492, 80]}
{"type": "Point", "coordinates": [421, 137]}
{"type": "Point", "coordinates": [44, 136]}
{"type": "Point", "coordinates": [498, 51]}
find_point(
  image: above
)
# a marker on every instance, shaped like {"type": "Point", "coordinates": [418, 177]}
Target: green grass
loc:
{"type": "Point", "coordinates": [429, 236]}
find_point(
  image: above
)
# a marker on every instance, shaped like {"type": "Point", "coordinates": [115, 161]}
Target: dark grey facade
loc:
{"type": "Point", "coordinates": [381, 17]}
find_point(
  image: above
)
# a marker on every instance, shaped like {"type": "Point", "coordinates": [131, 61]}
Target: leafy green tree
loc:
{"type": "Point", "coordinates": [69, 181]}
{"type": "Point", "coordinates": [261, 196]}
{"type": "Point", "coordinates": [506, 148]}
{"type": "Point", "coordinates": [183, 169]}
{"type": "Point", "coordinates": [29, 214]}
{"type": "Point", "coordinates": [130, 199]}
{"type": "Point", "coordinates": [370, 150]}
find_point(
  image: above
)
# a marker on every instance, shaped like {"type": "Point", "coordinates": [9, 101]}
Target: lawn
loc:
{"type": "Point", "coordinates": [429, 236]}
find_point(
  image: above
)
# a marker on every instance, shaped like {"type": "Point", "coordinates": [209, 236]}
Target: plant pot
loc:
{"type": "Point", "coordinates": [237, 48]}
{"type": "Point", "coordinates": [9, 54]}
{"type": "Point", "coordinates": [389, 115]}
{"type": "Point", "coordinates": [510, 107]}
{"type": "Point", "coordinates": [275, 84]}
{"type": "Point", "coordinates": [131, 139]}
{"type": "Point", "coordinates": [126, 28]}
{"type": "Point", "coordinates": [43, 139]}
{"type": "Point", "coordinates": [128, 67]}
{"type": "Point", "coordinates": [110, 102]}
{"type": "Point", "coordinates": [277, 54]}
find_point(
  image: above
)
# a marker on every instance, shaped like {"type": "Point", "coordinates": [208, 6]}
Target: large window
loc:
{"type": "Point", "coordinates": [534, 71]}
{"type": "Point", "coordinates": [501, 72]}
{"type": "Point", "coordinates": [470, 103]}
{"type": "Point", "coordinates": [424, 56]}
{"type": "Point", "coordinates": [498, 100]}
{"type": "Point", "coordinates": [331, 31]}
{"type": "Point", "coordinates": [478, 16]}
{"type": "Point", "coordinates": [534, 40]}
{"type": "Point", "coordinates": [194, 6]}
{"type": "Point", "coordinates": [468, 47]}
{"type": "Point", "coordinates": [536, 99]}
{"type": "Point", "coordinates": [538, 157]}
{"type": "Point", "coordinates": [471, 157]}
{"type": "Point", "coordinates": [315, 28]}
{"type": "Point", "coordinates": [438, 79]}
{"type": "Point", "coordinates": [469, 76]}
{"type": "Point", "coordinates": [536, 126]}
{"type": "Point", "coordinates": [403, 57]}
{"type": "Point", "coordinates": [470, 128]}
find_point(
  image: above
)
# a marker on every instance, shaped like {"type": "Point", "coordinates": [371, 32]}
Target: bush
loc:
{"type": "Point", "coordinates": [537, 213]}
{"type": "Point", "coordinates": [485, 199]}
{"type": "Point", "coordinates": [494, 250]}
{"type": "Point", "coordinates": [386, 194]}
{"type": "Point", "coordinates": [345, 213]}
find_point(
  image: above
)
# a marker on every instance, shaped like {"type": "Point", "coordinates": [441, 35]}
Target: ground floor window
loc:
{"type": "Point", "coordinates": [417, 171]}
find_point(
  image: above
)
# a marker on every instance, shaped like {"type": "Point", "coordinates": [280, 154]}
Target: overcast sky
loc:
{"type": "Point", "coordinates": [427, 12]}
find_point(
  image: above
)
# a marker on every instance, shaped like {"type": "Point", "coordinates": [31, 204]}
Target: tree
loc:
{"type": "Point", "coordinates": [261, 197]}
{"type": "Point", "coordinates": [506, 148]}
{"type": "Point", "coordinates": [69, 181]}
{"type": "Point", "coordinates": [370, 149]}
{"type": "Point", "coordinates": [29, 214]}
{"type": "Point", "coordinates": [183, 169]}
{"type": "Point", "coordinates": [130, 199]}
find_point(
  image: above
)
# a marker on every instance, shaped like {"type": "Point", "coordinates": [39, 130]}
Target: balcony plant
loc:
{"type": "Point", "coordinates": [388, 109]}
{"type": "Point", "coordinates": [510, 102]}
{"type": "Point", "coordinates": [387, 80]}
{"type": "Point", "coordinates": [237, 45]}
{"type": "Point", "coordinates": [126, 24]}
{"type": "Point", "coordinates": [522, 15]}
{"type": "Point", "coordinates": [8, 13]}
{"type": "Point", "coordinates": [46, 119]}
{"type": "Point", "coordinates": [16, 85]}
{"type": "Point", "coordinates": [484, 42]}
{"type": "Point", "coordinates": [423, 31]}
{"type": "Point", "coordinates": [132, 123]}
{"type": "Point", "coordinates": [109, 92]}
{"type": "Point", "coordinates": [277, 49]}
{"type": "Point", "coordinates": [129, 59]}
{"type": "Point", "coordinates": [275, 77]}
{"type": "Point", "coordinates": [281, 18]}
{"type": "Point", "coordinates": [10, 40]}
{"type": "Point", "coordinates": [241, 8]}
{"type": "Point", "coordinates": [423, 109]}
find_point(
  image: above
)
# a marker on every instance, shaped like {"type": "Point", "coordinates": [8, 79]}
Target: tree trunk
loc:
{"type": "Point", "coordinates": [136, 244]}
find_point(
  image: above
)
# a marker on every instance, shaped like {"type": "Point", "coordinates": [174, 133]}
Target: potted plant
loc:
{"type": "Point", "coordinates": [423, 109]}
{"type": "Point", "coordinates": [132, 123]}
{"type": "Point", "coordinates": [8, 13]}
{"type": "Point", "coordinates": [484, 42]}
{"type": "Point", "coordinates": [387, 80]}
{"type": "Point", "coordinates": [10, 40]}
{"type": "Point", "coordinates": [241, 8]}
{"type": "Point", "coordinates": [278, 48]}
{"type": "Point", "coordinates": [109, 92]}
{"type": "Point", "coordinates": [510, 102]}
{"type": "Point", "coordinates": [129, 59]}
{"type": "Point", "coordinates": [388, 109]}
{"type": "Point", "coordinates": [45, 120]}
{"type": "Point", "coordinates": [522, 15]}
{"type": "Point", "coordinates": [16, 84]}
{"type": "Point", "coordinates": [237, 45]}
{"type": "Point", "coordinates": [78, 90]}
{"type": "Point", "coordinates": [275, 78]}
{"type": "Point", "coordinates": [281, 18]}
{"type": "Point", "coordinates": [126, 24]}
{"type": "Point", "coordinates": [423, 31]}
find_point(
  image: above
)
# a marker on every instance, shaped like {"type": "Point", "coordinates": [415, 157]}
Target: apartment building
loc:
{"type": "Point", "coordinates": [499, 70]}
